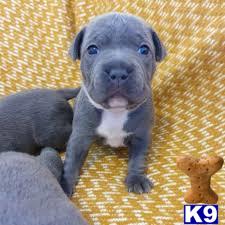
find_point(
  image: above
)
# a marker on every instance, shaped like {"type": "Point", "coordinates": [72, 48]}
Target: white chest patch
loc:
{"type": "Point", "coordinates": [112, 121]}
{"type": "Point", "coordinates": [111, 127]}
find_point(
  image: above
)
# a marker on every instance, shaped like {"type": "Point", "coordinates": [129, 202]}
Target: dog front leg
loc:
{"type": "Point", "coordinates": [76, 153]}
{"type": "Point", "coordinates": [136, 179]}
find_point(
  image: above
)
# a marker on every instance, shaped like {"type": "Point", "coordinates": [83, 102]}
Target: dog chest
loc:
{"type": "Point", "coordinates": [111, 127]}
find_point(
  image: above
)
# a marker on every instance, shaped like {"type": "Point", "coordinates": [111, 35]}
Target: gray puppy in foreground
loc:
{"type": "Point", "coordinates": [118, 54]}
{"type": "Point", "coordinates": [35, 119]}
{"type": "Point", "coordinates": [30, 192]}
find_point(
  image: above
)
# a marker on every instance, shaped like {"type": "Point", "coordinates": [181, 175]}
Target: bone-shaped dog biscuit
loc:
{"type": "Point", "coordinates": [200, 171]}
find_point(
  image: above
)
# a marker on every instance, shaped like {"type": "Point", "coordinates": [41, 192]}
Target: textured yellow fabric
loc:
{"type": "Point", "coordinates": [189, 93]}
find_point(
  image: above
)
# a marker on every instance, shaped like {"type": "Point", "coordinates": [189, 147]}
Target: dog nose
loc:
{"type": "Point", "coordinates": [118, 75]}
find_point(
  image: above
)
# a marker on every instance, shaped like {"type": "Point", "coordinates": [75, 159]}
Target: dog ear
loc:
{"type": "Point", "coordinates": [160, 50]}
{"type": "Point", "coordinates": [75, 48]}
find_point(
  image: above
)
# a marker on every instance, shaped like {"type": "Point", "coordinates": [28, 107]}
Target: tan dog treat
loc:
{"type": "Point", "coordinates": [200, 171]}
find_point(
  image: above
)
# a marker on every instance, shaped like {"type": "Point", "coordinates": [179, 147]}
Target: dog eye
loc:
{"type": "Point", "coordinates": [92, 50]}
{"type": "Point", "coordinates": [144, 50]}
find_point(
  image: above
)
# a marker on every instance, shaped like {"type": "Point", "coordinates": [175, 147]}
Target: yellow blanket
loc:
{"type": "Point", "coordinates": [189, 96]}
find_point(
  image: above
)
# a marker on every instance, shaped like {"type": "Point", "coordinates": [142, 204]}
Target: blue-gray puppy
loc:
{"type": "Point", "coordinates": [30, 193]}
{"type": "Point", "coordinates": [118, 54]}
{"type": "Point", "coordinates": [35, 119]}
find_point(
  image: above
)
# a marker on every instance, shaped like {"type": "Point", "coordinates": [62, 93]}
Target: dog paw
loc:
{"type": "Point", "coordinates": [138, 184]}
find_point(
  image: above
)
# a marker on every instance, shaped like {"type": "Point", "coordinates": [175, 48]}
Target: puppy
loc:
{"type": "Point", "coordinates": [30, 192]}
{"type": "Point", "coordinates": [34, 119]}
{"type": "Point", "coordinates": [118, 54]}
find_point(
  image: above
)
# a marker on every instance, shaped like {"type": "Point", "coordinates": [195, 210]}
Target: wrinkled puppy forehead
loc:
{"type": "Point", "coordinates": [117, 27]}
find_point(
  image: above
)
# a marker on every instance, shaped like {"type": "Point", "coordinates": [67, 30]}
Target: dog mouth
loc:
{"type": "Point", "coordinates": [120, 102]}
{"type": "Point", "coordinates": [117, 102]}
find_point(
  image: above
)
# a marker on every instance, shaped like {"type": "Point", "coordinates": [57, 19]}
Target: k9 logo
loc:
{"type": "Point", "coordinates": [200, 214]}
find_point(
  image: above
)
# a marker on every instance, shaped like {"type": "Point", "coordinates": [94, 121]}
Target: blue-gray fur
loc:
{"type": "Point", "coordinates": [31, 194]}
{"type": "Point", "coordinates": [50, 159]}
{"type": "Point", "coordinates": [34, 119]}
{"type": "Point", "coordinates": [118, 37]}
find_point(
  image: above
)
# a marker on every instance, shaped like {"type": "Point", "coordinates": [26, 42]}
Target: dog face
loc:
{"type": "Point", "coordinates": [118, 55]}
